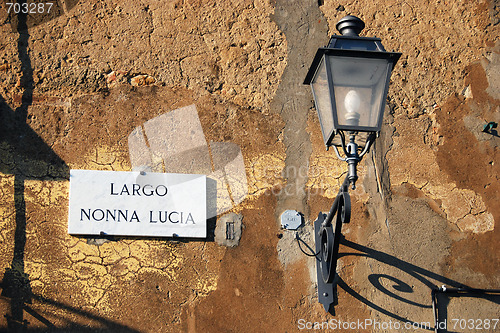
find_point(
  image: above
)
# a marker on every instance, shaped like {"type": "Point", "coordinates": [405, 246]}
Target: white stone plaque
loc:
{"type": "Point", "coordinates": [137, 204]}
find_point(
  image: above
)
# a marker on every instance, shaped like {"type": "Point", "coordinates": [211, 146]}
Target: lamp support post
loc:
{"type": "Point", "coordinates": [349, 79]}
{"type": "Point", "coordinates": [352, 158]}
{"type": "Point", "coordinates": [327, 236]}
{"type": "Point", "coordinates": [351, 154]}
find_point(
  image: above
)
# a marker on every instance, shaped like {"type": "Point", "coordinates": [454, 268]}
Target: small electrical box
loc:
{"type": "Point", "coordinates": [291, 220]}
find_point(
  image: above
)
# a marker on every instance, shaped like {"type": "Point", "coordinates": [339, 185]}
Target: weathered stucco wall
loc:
{"type": "Point", "coordinates": [425, 212]}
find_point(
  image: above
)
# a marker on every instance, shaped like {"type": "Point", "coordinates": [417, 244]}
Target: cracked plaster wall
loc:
{"type": "Point", "coordinates": [104, 68]}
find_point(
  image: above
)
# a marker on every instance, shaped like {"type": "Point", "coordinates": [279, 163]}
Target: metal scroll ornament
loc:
{"type": "Point", "coordinates": [327, 239]}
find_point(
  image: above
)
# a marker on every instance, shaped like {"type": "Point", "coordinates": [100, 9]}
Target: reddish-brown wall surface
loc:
{"type": "Point", "coordinates": [74, 85]}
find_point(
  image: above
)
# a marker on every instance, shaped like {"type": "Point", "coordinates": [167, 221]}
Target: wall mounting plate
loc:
{"type": "Point", "coordinates": [291, 220]}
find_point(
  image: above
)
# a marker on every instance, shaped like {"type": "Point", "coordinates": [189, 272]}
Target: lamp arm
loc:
{"type": "Point", "coordinates": [338, 154]}
{"type": "Point", "coordinates": [366, 148]}
{"type": "Point", "coordinates": [351, 153]}
{"type": "Point", "coordinates": [369, 142]}
{"type": "Point", "coordinates": [344, 148]}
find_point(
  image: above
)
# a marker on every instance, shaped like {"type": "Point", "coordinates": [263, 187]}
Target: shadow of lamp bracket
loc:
{"type": "Point", "coordinates": [349, 80]}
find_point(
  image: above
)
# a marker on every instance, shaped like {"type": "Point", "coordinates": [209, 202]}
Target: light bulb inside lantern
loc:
{"type": "Point", "coordinates": [352, 103]}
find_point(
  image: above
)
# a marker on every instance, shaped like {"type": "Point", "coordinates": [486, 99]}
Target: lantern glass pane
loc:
{"type": "Point", "coordinates": [322, 99]}
{"type": "Point", "coordinates": [359, 85]}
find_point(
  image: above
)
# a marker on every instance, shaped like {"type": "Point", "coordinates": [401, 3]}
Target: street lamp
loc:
{"type": "Point", "coordinates": [349, 80]}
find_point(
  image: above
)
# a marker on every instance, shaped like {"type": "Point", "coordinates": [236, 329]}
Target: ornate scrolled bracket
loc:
{"type": "Point", "coordinates": [328, 228]}
{"type": "Point", "coordinates": [327, 240]}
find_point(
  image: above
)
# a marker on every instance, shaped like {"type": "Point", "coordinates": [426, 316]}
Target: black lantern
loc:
{"type": "Point", "coordinates": [349, 81]}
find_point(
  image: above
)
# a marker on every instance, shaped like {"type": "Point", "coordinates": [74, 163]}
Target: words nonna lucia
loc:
{"type": "Point", "coordinates": [126, 215]}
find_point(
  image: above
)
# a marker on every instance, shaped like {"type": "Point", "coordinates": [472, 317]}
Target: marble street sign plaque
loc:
{"type": "Point", "coordinates": [137, 204]}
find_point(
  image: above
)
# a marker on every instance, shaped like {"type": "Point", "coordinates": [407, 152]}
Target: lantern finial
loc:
{"type": "Point", "coordinates": [350, 26]}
